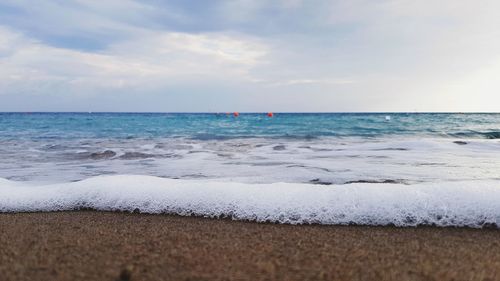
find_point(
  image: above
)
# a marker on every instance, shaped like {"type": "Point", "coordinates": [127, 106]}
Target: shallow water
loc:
{"type": "Point", "coordinates": [370, 168]}
{"type": "Point", "coordinates": [316, 148]}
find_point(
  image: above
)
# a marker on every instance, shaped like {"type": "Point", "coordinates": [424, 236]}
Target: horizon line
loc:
{"type": "Point", "coordinates": [260, 112]}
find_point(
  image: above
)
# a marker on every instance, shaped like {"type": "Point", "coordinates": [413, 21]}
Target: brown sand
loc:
{"type": "Point", "coordinates": [118, 246]}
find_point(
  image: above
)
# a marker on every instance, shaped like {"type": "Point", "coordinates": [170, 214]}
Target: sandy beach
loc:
{"type": "Point", "coordinates": [88, 245]}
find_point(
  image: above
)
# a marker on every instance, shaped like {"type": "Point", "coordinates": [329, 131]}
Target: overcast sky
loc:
{"type": "Point", "coordinates": [249, 55]}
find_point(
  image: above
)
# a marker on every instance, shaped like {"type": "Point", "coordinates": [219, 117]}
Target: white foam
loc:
{"type": "Point", "coordinates": [335, 160]}
{"type": "Point", "coordinates": [469, 203]}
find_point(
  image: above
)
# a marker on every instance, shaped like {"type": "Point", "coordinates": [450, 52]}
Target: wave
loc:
{"type": "Point", "coordinates": [221, 137]}
{"type": "Point", "coordinates": [470, 203]}
{"type": "Point", "coordinates": [478, 134]}
{"type": "Point", "coordinates": [491, 135]}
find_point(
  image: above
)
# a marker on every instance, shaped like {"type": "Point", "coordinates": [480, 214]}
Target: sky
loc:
{"type": "Point", "coordinates": [250, 55]}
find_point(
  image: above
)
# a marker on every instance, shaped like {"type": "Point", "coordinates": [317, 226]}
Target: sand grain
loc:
{"type": "Point", "coordinates": [89, 245]}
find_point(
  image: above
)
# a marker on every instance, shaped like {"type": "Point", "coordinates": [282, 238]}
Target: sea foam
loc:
{"type": "Point", "coordinates": [465, 203]}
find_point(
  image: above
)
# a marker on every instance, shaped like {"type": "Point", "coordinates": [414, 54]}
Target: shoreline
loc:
{"type": "Point", "coordinates": [91, 245]}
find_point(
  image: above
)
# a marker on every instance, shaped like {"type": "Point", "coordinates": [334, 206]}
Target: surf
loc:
{"type": "Point", "coordinates": [459, 204]}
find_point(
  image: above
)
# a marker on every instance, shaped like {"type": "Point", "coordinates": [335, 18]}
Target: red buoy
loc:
{"type": "Point", "coordinates": [270, 114]}
{"type": "Point", "coordinates": [236, 114]}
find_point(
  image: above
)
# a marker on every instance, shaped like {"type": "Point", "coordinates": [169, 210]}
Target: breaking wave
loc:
{"type": "Point", "coordinates": [461, 203]}
{"type": "Point", "coordinates": [491, 135]}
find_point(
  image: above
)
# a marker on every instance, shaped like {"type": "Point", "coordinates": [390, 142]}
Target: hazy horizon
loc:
{"type": "Point", "coordinates": [262, 112]}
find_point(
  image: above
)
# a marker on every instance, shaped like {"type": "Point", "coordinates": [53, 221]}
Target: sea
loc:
{"type": "Point", "coordinates": [402, 169]}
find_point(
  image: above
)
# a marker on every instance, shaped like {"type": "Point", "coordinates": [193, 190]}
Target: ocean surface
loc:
{"type": "Point", "coordinates": [332, 168]}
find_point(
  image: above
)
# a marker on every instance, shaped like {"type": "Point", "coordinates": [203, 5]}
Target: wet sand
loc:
{"type": "Point", "coordinates": [89, 245]}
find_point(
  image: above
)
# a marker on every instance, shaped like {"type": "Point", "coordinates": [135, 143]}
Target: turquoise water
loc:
{"type": "Point", "coordinates": [376, 169]}
{"type": "Point", "coordinates": [221, 126]}
{"type": "Point", "coordinates": [318, 148]}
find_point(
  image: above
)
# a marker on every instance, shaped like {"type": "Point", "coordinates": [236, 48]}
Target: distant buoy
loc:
{"type": "Point", "coordinates": [387, 118]}
{"type": "Point", "coordinates": [270, 114]}
{"type": "Point", "coordinates": [236, 114]}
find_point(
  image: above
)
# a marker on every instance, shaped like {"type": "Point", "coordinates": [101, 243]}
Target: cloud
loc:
{"type": "Point", "coordinates": [151, 57]}
{"type": "Point", "coordinates": [293, 82]}
{"type": "Point", "coordinates": [297, 55]}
